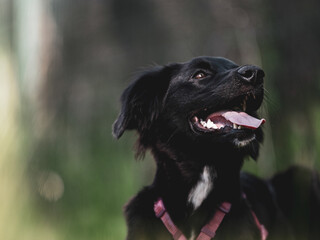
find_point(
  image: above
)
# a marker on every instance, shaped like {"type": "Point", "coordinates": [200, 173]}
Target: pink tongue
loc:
{"type": "Point", "coordinates": [240, 118]}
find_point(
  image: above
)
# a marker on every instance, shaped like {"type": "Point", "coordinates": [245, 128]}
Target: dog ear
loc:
{"type": "Point", "coordinates": [142, 100]}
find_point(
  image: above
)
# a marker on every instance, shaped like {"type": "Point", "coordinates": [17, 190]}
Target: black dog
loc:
{"type": "Point", "coordinates": [199, 119]}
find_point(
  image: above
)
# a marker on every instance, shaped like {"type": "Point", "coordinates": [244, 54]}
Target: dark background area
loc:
{"type": "Point", "coordinates": [64, 64]}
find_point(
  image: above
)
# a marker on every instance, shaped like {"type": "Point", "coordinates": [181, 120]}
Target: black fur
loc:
{"type": "Point", "coordinates": [160, 105]}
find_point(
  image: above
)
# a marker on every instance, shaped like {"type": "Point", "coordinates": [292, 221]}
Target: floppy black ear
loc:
{"type": "Point", "coordinates": [142, 100]}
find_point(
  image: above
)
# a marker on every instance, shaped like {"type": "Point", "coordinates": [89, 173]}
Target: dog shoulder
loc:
{"type": "Point", "coordinates": [141, 221]}
{"type": "Point", "coordinates": [298, 195]}
{"type": "Point", "coordinates": [256, 189]}
{"type": "Point", "coordinates": [141, 205]}
{"type": "Point", "coordinates": [261, 197]}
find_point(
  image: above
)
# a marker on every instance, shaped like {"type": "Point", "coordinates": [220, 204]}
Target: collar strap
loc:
{"type": "Point", "coordinates": [208, 231]}
{"type": "Point", "coordinates": [263, 231]}
{"type": "Point", "coordinates": [162, 213]}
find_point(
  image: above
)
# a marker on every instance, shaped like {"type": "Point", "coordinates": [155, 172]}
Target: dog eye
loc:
{"type": "Point", "coordinates": [199, 75]}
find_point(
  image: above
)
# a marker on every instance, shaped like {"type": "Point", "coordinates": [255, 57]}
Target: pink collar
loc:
{"type": "Point", "coordinates": [208, 231]}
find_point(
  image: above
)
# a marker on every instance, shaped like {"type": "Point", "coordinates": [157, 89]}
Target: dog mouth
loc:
{"type": "Point", "coordinates": [234, 118]}
{"type": "Point", "coordinates": [227, 118]}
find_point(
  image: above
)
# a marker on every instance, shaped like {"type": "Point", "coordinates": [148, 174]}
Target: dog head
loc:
{"type": "Point", "coordinates": [208, 102]}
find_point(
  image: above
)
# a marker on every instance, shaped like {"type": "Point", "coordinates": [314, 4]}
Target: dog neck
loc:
{"type": "Point", "coordinates": [188, 184]}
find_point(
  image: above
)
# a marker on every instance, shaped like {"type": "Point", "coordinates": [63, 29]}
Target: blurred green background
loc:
{"type": "Point", "coordinates": [64, 64]}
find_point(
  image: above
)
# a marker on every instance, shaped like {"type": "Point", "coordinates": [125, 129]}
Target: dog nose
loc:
{"type": "Point", "coordinates": [251, 74]}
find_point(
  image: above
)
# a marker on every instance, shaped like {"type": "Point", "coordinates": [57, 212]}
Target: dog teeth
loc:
{"type": "Point", "coordinates": [236, 126]}
{"type": "Point", "coordinates": [211, 125]}
{"type": "Point", "coordinates": [203, 123]}
{"type": "Point", "coordinates": [244, 106]}
{"type": "Point", "coordinates": [244, 103]}
{"type": "Point", "coordinates": [195, 119]}
{"type": "Point", "coordinates": [208, 124]}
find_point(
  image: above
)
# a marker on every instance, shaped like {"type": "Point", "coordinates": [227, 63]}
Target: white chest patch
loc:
{"type": "Point", "coordinates": [203, 187]}
{"type": "Point", "coordinates": [193, 236]}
